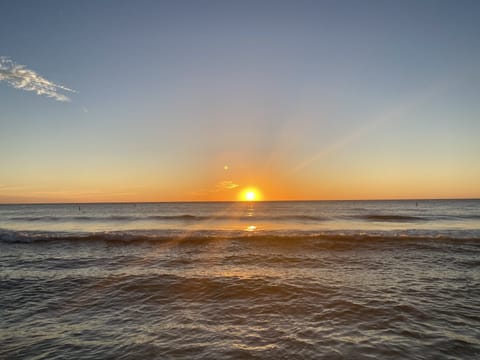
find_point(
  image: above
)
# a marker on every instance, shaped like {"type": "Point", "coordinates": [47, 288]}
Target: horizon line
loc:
{"type": "Point", "coordinates": [225, 201]}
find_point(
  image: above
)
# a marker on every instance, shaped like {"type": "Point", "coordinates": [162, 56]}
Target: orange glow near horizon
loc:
{"type": "Point", "coordinates": [246, 182]}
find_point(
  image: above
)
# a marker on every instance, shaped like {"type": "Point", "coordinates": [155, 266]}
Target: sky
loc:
{"type": "Point", "coordinates": [200, 100]}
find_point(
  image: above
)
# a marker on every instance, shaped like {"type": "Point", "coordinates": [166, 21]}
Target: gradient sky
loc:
{"type": "Point", "coordinates": [196, 100]}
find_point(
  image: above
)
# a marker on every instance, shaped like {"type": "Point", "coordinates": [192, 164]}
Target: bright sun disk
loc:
{"type": "Point", "coordinates": [250, 194]}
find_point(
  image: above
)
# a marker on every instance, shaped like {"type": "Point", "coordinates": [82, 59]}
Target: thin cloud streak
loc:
{"type": "Point", "coordinates": [19, 77]}
{"type": "Point", "coordinates": [221, 186]}
{"type": "Point", "coordinates": [225, 185]}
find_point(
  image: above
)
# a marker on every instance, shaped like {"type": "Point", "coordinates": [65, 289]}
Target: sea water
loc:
{"type": "Point", "coordinates": [251, 280]}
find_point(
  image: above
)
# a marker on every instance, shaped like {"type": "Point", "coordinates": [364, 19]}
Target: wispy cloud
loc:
{"type": "Point", "coordinates": [219, 187]}
{"type": "Point", "coordinates": [225, 185]}
{"type": "Point", "coordinates": [20, 77]}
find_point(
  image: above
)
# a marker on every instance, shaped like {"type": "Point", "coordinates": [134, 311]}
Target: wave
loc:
{"type": "Point", "coordinates": [471, 217]}
{"type": "Point", "coordinates": [293, 236]}
{"type": "Point", "coordinates": [183, 217]}
{"type": "Point", "coordinates": [391, 218]}
{"type": "Point", "coordinates": [411, 218]}
{"type": "Point", "coordinates": [258, 217]}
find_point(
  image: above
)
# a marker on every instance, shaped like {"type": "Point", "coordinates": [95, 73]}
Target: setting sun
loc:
{"type": "Point", "coordinates": [250, 194]}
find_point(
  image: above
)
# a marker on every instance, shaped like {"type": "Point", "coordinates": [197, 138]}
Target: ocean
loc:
{"type": "Point", "coordinates": [241, 280]}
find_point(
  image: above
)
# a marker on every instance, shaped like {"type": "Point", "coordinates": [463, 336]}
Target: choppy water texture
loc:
{"type": "Point", "coordinates": [293, 280]}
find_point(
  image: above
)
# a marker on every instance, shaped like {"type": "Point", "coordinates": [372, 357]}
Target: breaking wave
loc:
{"type": "Point", "coordinates": [392, 218]}
{"type": "Point", "coordinates": [183, 217]}
{"type": "Point", "coordinates": [282, 236]}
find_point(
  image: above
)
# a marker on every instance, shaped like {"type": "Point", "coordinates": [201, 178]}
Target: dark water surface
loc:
{"type": "Point", "coordinates": [306, 280]}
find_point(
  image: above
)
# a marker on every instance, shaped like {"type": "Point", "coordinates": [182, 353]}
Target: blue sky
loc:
{"type": "Point", "coordinates": [303, 99]}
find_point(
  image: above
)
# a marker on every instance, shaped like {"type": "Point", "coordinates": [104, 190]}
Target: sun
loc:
{"type": "Point", "coordinates": [250, 194]}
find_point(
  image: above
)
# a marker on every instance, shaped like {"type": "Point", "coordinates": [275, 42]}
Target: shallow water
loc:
{"type": "Point", "coordinates": [313, 280]}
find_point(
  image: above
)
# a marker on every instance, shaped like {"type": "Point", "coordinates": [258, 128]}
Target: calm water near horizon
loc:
{"type": "Point", "coordinates": [276, 280]}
